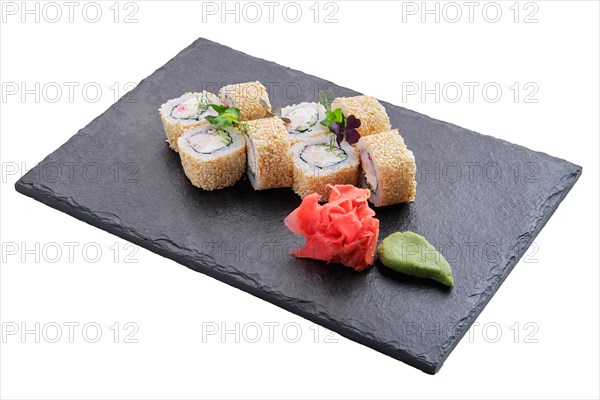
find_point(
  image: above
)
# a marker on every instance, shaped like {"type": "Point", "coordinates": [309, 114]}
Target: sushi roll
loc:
{"type": "Point", "coordinates": [372, 115]}
{"type": "Point", "coordinates": [185, 112]}
{"type": "Point", "coordinates": [387, 168]}
{"type": "Point", "coordinates": [268, 151]}
{"type": "Point", "coordinates": [212, 158]}
{"type": "Point", "coordinates": [318, 164]}
{"type": "Point", "coordinates": [304, 121]}
{"type": "Point", "coordinates": [251, 98]}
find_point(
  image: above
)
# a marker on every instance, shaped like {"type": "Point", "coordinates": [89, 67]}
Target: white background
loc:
{"type": "Point", "coordinates": [373, 48]}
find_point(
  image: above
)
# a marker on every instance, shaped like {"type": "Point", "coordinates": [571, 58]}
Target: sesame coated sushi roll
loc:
{"type": "Point", "coordinates": [369, 110]}
{"type": "Point", "coordinates": [251, 98]}
{"type": "Point", "coordinates": [212, 158]}
{"type": "Point", "coordinates": [387, 168]}
{"type": "Point", "coordinates": [268, 151]}
{"type": "Point", "coordinates": [186, 112]}
{"type": "Point", "coordinates": [304, 121]}
{"type": "Point", "coordinates": [318, 163]}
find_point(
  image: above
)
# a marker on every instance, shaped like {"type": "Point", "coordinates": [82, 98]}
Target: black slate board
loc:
{"type": "Point", "coordinates": [481, 200]}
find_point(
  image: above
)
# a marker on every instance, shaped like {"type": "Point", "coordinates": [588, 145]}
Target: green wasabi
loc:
{"type": "Point", "coordinates": [412, 254]}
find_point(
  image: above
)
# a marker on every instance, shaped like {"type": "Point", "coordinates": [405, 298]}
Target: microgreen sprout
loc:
{"type": "Point", "coordinates": [227, 117]}
{"type": "Point", "coordinates": [341, 128]}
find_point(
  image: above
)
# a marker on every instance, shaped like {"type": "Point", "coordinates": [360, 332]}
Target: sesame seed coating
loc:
{"type": "Point", "coordinates": [308, 182]}
{"type": "Point", "coordinates": [395, 166]}
{"type": "Point", "coordinates": [372, 115]}
{"type": "Point", "coordinates": [273, 159]}
{"type": "Point", "coordinates": [214, 172]}
{"type": "Point", "coordinates": [246, 97]}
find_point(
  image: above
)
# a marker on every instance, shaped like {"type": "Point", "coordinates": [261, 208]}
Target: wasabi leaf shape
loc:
{"type": "Point", "coordinates": [411, 254]}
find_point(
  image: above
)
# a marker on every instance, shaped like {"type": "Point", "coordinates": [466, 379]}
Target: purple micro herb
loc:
{"type": "Point", "coordinates": [346, 130]}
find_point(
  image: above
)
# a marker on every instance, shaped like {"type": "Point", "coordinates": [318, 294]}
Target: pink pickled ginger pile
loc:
{"type": "Point", "coordinates": [342, 230]}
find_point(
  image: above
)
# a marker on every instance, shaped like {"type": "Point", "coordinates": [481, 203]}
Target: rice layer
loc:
{"type": "Point", "coordinates": [174, 127]}
{"type": "Point", "coordinates": [313, 131]}
{"type": "Point", "coordinates": [309, 179]}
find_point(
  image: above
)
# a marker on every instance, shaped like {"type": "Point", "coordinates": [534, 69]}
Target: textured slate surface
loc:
{"type": "Point", "coordinates": [482, 201]}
